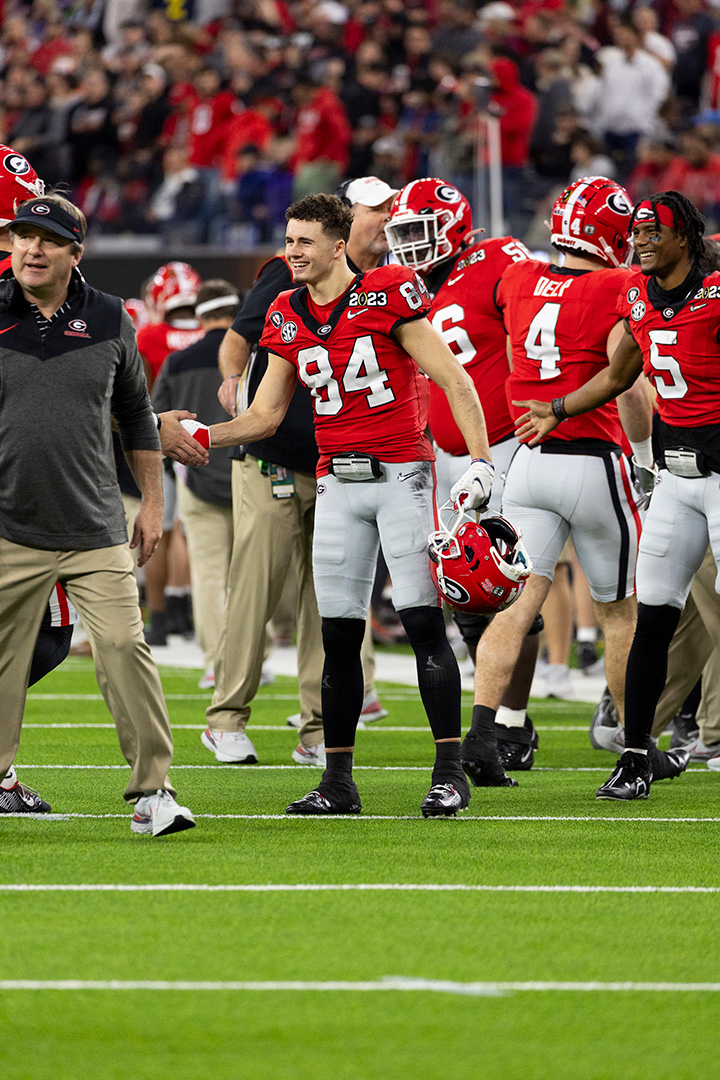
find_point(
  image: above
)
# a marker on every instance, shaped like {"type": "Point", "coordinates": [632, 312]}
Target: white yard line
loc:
{"type": "Point", "coordinates": [354, 818]}
{"type": "Point", "coordinates": [415, 729]}
{"type": "Point", "coordinates": [356, 887]}
{"type": "Point", "coordinates": [699, 769]}
{"type": "Point", "coordinates": [388, 983]}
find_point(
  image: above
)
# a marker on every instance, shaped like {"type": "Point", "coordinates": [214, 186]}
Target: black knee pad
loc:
{"type": "Point", "coordinates": [342, 635]}
{"type": "Point", "coordinates": [471, 626]}
{"type": "Point", "coordinates": [537, 626]}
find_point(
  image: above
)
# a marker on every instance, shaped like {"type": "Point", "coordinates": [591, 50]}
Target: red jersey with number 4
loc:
{"type": "Point", "coordinates": [464, 313]}
{"type": "Point", "coordinates": [368, 394]}
{"type": "Point", "coordinates": [681, 353]}
{"type": "Point", "coordinates": [558, 321]}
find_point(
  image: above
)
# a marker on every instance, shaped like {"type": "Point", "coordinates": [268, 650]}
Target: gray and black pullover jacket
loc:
{"type": "Point", "coordinates": [59, 385]}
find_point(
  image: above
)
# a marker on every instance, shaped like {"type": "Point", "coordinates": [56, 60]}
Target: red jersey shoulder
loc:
{"type": "Point", "coordinates": [396, 289]}
{"type": "Point", "coordinates": [281, 322]}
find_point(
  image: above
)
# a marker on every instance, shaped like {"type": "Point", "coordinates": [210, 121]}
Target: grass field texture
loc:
{"type": "Point", "coordinates": [542, 934]}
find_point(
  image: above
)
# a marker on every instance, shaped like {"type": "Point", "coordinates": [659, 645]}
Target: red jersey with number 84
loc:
{"type": "Point", "coordinates": [368, 394]}
{"type": "Point", "coordinates": [558, 321]}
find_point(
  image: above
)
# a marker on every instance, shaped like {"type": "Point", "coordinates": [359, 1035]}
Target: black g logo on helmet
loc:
{"type": "Point", "coordinates": [16, 164]}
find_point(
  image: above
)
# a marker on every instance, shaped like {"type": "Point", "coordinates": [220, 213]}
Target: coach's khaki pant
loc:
{"type": "Point", "coordinates": [209, 535]}
{"type": "Point", "coordinates": [271, 537]}
{"type": "Point", "coordinates": [101, 585]}
{"type": "Point", "coordinates": [694, 652]}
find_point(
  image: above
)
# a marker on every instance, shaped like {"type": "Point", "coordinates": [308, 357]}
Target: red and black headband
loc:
{"type": "Point", "coordinates": [645, 212]}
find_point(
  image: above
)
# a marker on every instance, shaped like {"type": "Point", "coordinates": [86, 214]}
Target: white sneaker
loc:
{"type": "Point", "coordinates": [557, 682]}
{"type": "Point", "coordinates": [372, 710]}
{"type": "Point", "coordinates": [160, 815]}
{"type": "Point", "coordinates": [714, 763]}
{"type": "Point", "coordinates": [310, 755]}
{"type": "Point", "coordinates": [231, 746]}
{"type": "Point", "coordinates": [295, 720]}
{"type": "Point", "coordinates": [207, 682]}
{"type": "Point", "coordinates": [700, 752]}
{"type": "Point", "coordinates": [267, 676]}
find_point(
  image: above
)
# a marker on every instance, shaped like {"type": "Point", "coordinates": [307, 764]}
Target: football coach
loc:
{"type": "Point", "coordinates": [68, 362]}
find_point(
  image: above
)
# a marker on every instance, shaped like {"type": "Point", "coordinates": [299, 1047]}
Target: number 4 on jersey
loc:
{"type": "Point", "coordinates": [540, 341]}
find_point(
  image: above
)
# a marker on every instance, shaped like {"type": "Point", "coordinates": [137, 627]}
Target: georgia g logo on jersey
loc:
{"type": "Point", "coordinates": [16, 164]}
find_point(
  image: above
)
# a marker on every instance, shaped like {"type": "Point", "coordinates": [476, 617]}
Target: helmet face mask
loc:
{"type": "Point", "coordinates": [18, 183]}
{"type": "Point", "coordinates": [430, 222]}
{"type": "Point", "coordinates": [592, 216]}
{"type": "Point", "coordinates": [478, 567]}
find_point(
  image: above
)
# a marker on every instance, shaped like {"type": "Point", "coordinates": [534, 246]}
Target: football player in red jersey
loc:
{"type": "Point", "coordinates": [171, 299]}
{"type": "Point", "coordinates": [358, 342]}
{"type": "Point", "coordinates": [431, 231]}
{"type": "Point", "coordinates": [671, 331]}
{"type": "Point", "coordinates": [562, 326]}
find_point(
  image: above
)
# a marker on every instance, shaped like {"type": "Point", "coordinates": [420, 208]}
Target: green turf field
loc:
{"type": "Point", "coordinates": [540, 935]}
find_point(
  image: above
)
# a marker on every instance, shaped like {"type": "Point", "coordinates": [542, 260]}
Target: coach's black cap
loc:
{"type": "Point", "coordinates": [50, 216]}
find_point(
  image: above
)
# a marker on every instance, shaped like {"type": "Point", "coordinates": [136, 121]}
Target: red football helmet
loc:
{"type": "Point", "coordinates": [430, 222]}
{"type": "Point", "coordinates": [593, 215]}
{"type": "Point", "coordinates": [478, 567]}
{"type": "Point", "coordinates": [174, 285]}
{"type": "Point", "coordinates": [138, 312]}
{"type": "Point", "coordinates": [18, 183]}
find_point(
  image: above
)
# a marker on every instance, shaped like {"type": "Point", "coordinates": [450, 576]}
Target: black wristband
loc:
{"type": "Point", "coordinates": [558, 407]}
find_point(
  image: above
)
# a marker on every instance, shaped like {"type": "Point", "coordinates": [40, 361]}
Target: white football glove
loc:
{"type": "Point", "coordinates": [472, 491]}
{"type": "Point", "coordinates": [200, 432]}
{"type": "Point", "coordinates": [645, 477]}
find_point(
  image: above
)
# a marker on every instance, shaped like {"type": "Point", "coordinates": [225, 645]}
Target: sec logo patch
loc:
{"type": "Point", "coordinates": [288, 332]}
{"type": "Point", "coordinates": [637, 311]}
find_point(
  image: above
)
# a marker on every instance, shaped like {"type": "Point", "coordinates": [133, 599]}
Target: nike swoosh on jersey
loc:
{"type": "Point", "coordinates": [696, 307]}
{"type": "Point", "coordinates": [352, 314]}
{"type": "Point", "coordinates": [8, 328]}
{"type": "Point", "coordinates": [452, 280]}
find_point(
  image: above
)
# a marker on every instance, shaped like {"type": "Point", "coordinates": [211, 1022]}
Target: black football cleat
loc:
{"type": "Point", "coordinates": [667, 764]}
{"type": "Point", "coordinates": [630, 780]}
{"type": "Point", "coordinates": [446, 797]}
{"type": "Point", "coordinates": [516, 746]}
{"type": "Point", "coordinates": [335, 800]}
{"type": "Point", "coordinates": [685, 730]}
{"type": "Point", "coordinates": [479, 759]}
{"type": "Point", "coordinates": [20, 799]}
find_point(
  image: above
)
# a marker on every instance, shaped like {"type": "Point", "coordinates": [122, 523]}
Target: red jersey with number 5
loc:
{"type": "Point", "coordinates": [368, 394]}
{"type": "Point", "coordinates": [464, 313]}
{"type": "Point", "coordinates": [681, 354]}
{"type": "Point", "coordinates": [558, 321]}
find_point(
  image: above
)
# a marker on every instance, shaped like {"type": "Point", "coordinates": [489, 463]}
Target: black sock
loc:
{"type": "Point", "coordinates": [437, 669]}
{"type": "Point", "coordinates": [447, 762]}
{"type": "Point", "coordinates": [342, 684]}
{"type": "Point", "coordinates": [647, 670]}
{"type": "Point", "coordinates": [483, 721]}
{"type": "Point", "coordinates": [339, 768]}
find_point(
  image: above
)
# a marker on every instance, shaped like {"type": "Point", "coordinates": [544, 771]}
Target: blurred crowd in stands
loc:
{"type": "Point", "coordinates": [200, 120]}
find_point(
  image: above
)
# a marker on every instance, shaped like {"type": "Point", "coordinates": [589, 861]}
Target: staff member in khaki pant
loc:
{"type": "Point", "coordinates": [68, 359]}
